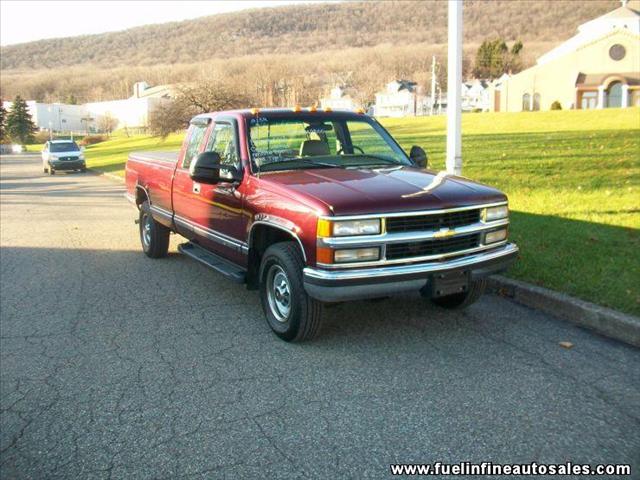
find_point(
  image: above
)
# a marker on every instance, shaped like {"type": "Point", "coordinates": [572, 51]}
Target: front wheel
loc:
{"type": "Point", "coordinates": [51, 171]}
{"type": "Point", "coordinates": [290, 312]}
{"type": "Point", "coordinates": [462, 300]}
{"type": "Point", "coordinates": [153, 235]}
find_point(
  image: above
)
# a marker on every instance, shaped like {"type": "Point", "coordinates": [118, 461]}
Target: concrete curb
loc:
{"type": "Point", "coordinates": [602, 320]}
{"type": "Point", "coordinates": [110, 176]}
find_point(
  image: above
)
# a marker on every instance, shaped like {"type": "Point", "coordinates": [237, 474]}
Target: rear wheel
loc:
{"type": "Point", "coordinates": [463, 300]}
{"type": "Point", "coordinates": [51, 171]}
{"type": "Point", "coordinates": [153, 235]}
{"type": "Point", "coordinates": [290, 312]}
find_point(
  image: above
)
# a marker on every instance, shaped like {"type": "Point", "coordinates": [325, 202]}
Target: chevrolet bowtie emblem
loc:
{"type": "Point", "coordinates": [444, 232]}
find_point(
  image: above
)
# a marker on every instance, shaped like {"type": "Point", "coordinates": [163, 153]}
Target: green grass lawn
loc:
{"type": "Point", "coordinates": [111, 156]}
{"type": "Point", "coordinates": [573, 181]}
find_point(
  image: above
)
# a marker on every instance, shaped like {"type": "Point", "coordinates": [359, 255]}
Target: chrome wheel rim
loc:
{"type": "Point", "coordinates": [279, 293]}
{"type": "Point", "coordinates": [146, 230]}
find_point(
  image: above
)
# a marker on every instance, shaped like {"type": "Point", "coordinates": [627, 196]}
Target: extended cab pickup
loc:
{"type": "Point", "coordinates": [317, 206]}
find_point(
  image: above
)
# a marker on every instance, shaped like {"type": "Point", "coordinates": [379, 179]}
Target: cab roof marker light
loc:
{"type": "Point", "coordinates": [297, 109]}
{"type": "Point", "coordinates": [328, 109]}
{"type": "Point", "coordinates": [359, 110]}
{"type": "Point", "coordinates": [255, 111]}
{"type": "Point", "coordinates": [313, 108]}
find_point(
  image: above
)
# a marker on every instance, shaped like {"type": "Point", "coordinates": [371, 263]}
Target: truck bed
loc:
{"type": "Point", "coordinates": [163, 156]}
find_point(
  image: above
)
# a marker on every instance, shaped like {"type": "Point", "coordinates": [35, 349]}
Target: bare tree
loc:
{"type": "Point", "coordinates": [107, 123]}
{"type": "Point", "coordinates": [170, 116]}
{"type": "Point", "coordinates": [212, 97]}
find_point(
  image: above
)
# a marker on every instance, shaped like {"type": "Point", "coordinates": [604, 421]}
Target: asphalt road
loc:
{"type": "Point", "coordinates": [115, 365]}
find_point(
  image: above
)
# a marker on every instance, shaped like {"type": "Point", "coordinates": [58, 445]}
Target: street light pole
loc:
{"type": "Point", "coordinates": [454, 89]}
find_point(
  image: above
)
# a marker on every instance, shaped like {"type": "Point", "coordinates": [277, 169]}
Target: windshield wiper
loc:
{"type": "Point", "coordinates": [306, 161]}
{"type": "Point", "coordinates": [376, 157]}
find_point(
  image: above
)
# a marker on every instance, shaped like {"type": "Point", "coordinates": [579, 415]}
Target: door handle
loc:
{"type": "Point", "coordinates": [196, 188]}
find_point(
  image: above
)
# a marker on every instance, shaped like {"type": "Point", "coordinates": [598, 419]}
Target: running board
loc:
{"type": "Point", "coordinates": [232, 272]}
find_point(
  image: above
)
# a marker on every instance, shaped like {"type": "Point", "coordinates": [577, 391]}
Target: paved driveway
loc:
{"type": "Point", "coordinates": [115, 365]}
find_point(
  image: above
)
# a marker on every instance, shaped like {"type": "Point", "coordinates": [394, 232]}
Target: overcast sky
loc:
{"type": "Point", "coordinates": [24, 21]}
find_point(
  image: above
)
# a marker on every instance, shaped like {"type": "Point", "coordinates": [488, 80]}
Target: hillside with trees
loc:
{"type": "Point", "coordinates": [366, 43]}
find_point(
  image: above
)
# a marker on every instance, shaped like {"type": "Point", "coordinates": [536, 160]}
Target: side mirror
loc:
{"type": "Point", "coordinates": [205, 168]}
{"type": "Point", "coordinates": [418, 156]}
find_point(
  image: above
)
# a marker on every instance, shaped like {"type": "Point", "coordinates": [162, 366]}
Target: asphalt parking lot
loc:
{"type": "Point", "coordinates": [114, 365]}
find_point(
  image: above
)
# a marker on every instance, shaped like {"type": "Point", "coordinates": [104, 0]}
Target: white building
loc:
{"type": "Point", "coordinates": [57, 117]}
{"type": "Point", "coordinates": [339, 99]}
{"type": "Point", "coordinates": [129, 113]}
{"type": "Point", "coordinates": [476, 95]}
{"type": "Point", "coordinates": [132, 112]}
{"type": "Point", "coordinates": [399, 99]}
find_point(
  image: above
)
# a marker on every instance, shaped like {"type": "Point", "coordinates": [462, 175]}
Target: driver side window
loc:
{"type": "Point", "coordinates": [195, 139]}
{"type": "Point", "coordinates": [223, 141]}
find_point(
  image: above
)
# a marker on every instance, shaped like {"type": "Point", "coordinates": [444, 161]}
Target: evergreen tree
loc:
{"type": "Point", "coordinates": [3, 121]}
{"type": "Point", "coordinates": [20, 127]}
{"type": "Point", "coordinates": [494, 58]}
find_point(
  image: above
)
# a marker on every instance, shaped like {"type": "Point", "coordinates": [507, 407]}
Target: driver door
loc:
{"type": "Point", "coordinates": [216, 211]}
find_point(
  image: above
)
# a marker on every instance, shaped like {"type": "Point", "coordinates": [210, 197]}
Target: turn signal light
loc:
{"type": "Point", "coordinates": [324, 255]}
{"type": "Point", "coordinates": [324, 228]}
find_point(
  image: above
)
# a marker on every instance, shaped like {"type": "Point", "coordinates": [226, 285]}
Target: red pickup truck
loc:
{"type": "Point", "coordinates": [313, 206]}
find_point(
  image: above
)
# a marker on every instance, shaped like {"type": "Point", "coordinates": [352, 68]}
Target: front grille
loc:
{"type": "Point", "coordinates": [66, 159]}
{"type": "Point", "coordinates": [432, 247]}
{"type": "Point", "coordinates": [432, 222]}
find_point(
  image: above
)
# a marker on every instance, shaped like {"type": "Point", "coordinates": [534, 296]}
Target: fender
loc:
{"type": "Point", "coordinates": [161, 215]}
{"type": "Point", "coordinates": [146, 192]}
{"type": "Point", "coordinates": [279, 223]}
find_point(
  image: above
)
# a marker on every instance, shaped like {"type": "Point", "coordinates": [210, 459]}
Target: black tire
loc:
{"type": "Point", "coordinates": [462, 300]}
{"type": "Point", "coordinates": [45, 169]}
{"type": "Point", "coordinates": [304, 317]}
{"type": "Point", "coordinates": [51, 171]}
{"type": "Point", "coordinates": [83, 169]}
{"type": "Point", "coordinates": [154, 236]}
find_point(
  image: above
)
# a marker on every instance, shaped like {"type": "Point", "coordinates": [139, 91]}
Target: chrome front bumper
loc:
{"type": "Point", "coordinates": [354, 284]}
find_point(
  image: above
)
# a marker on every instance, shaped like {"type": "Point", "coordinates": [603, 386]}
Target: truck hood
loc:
{"type": "Point", "coordinates": [398, 189]}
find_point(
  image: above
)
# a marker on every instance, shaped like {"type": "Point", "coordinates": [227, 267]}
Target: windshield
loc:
{"type": "Point", "coordinates": [64, 147]}
{"type": "Point", "coordinates": [296, 142]}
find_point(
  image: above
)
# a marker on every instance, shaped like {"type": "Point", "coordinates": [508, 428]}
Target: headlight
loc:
{"type": "Point", "coordinates": [81, 157]}
{"type": "Point", "coordinates": [495, 213]}
{"type": "Point", "coordinates": [343, 228]}
{"type": "Point", "coordinates": [356, 255]}
{"type": "Point", "coordinates": [53, 157]}
{"type": "Point", "coordinates": [495, 236]}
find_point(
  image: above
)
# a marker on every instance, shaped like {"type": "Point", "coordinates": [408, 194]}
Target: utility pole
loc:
{"type": "Point", "coordinates": [454, 89]}
{"type": "Point", "coordinates": [433, 84]}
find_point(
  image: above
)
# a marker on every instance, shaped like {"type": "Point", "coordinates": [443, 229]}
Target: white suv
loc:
{"type": "Point", "coordinates": [62, 155]}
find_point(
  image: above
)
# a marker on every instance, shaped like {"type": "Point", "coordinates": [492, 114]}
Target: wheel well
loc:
{"type": "Point", "coordinates": [262, 237]}
{"type": "Point", "coordinates": [141, 195]}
